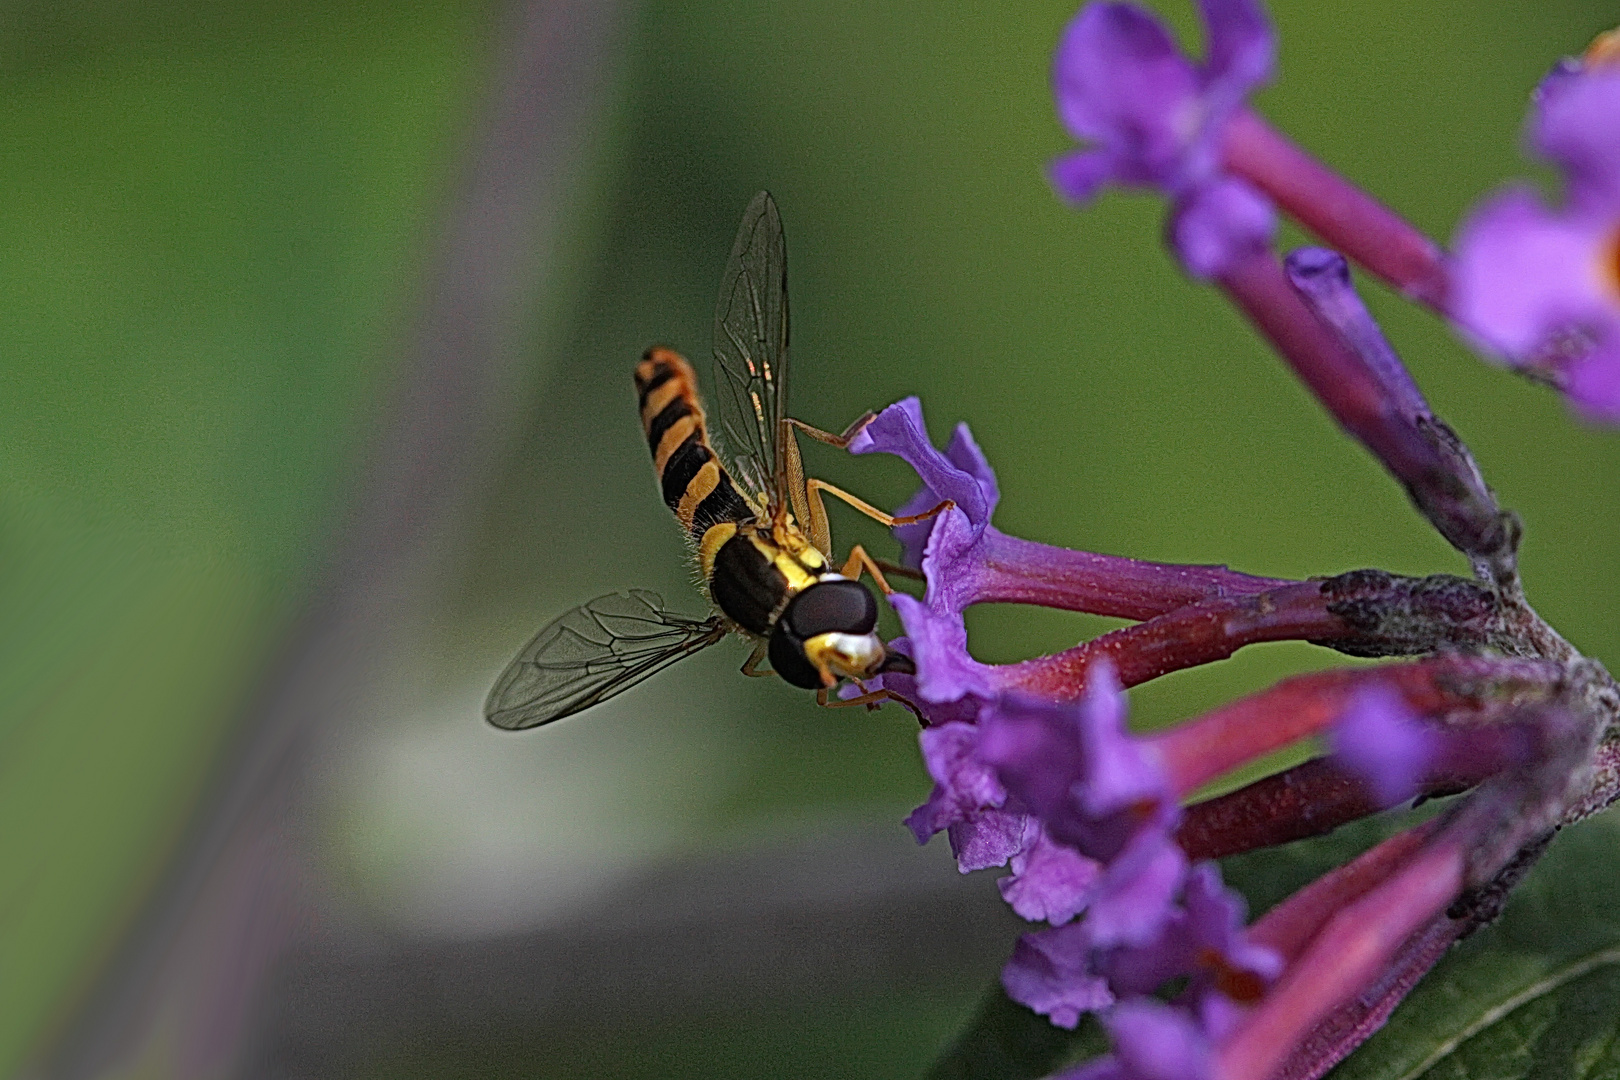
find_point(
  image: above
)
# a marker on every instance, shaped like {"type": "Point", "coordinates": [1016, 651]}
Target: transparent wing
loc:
{"type": "Point", "coordinates": [592, 653]}
{"type": "Point", "coordinates": [751, 351]}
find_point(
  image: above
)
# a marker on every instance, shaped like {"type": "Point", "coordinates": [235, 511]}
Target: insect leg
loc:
{"type": "Point", "coordinates": [812, 514]}
{"type": "Point", "coordinates": [871, 699]}
{"type": "Point", "coordinates": [820, 534]}
{"type": "Point", "coordinates": [899, 570]}
{"type": "Point", "coordinates": [840, 441]}
{"type": "Point", "coordinates": [806, 494]}
{"type": "Point", "coordinates": [751, 665]}
{"type": "Point", "coordinates": [814, 487]}
{"type": "Point", "coordinates": [858, 561]}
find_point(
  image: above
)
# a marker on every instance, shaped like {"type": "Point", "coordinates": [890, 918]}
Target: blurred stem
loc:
{"type": "Point", "coordinates": [180, 993]}
{"type": "Point", "coordinates": [1336, 210]}
{"type": "Point", "coordinates": [1370, 405]}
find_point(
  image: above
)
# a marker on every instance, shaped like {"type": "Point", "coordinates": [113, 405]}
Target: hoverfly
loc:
{"type": "Point", "coordinates": [769, 578]}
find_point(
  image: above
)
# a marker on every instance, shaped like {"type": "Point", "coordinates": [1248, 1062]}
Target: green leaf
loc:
{"type": "Point", "coordinates": [1537, 994]}
{"type": "Point", "coordinates": [1008, 1041]}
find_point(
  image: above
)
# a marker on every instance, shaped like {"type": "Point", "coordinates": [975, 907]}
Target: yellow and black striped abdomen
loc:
{"type": "Point", "coordinates": [695, 484]}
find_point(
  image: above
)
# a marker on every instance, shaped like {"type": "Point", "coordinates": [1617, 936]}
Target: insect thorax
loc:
{"type": "Point", "coordinates": [753, 569]}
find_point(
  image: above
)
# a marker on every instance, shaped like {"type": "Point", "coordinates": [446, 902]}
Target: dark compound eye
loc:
{"type": "Point", "coordinates": [827, 607]}
{"type": "Point", "coordinates": [788, 660]}
{"type": "Point", "coordinates": [844, 607]}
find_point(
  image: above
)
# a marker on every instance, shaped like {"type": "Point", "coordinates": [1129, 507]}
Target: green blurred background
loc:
{"type": "Point", "coordinates": [217, 222]}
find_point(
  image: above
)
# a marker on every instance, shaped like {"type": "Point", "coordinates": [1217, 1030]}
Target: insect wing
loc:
{"type": "Point", "coordinates": [751, 351]}
{"type": "Point", "coordinates": [590, 654]}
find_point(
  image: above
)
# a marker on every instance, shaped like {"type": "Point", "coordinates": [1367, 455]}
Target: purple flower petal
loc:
{"type": "Point", "coordinates": [899, 430]}
{"type": "Point", "coordinates": [1133, 902]}
{"type": "Point", "coordinates": [1121, 773]}
{"type": "Point", "coordinates": [1037, 751]}
{"type": "Point", "coordinates": [1076, 768]}
{"type": "Point", "coordinates": [1080, 174]}
{"type": "Point", "coordinates": [1219, 225]}
{"type": "Point", "coordinates": [1578, 128]}
{"type": "Point", "coordinates": [990, 838]}
{"type": "Point", "coordinates": [1540, 287]}
{"type": "Point", "coordinates": [1119, 80]}
{"type": "Point", "coordinates": [1215, 929]}
{"type": "Point", "coordinates": [1154, 1041]}
{"type": "Point", "coordinates": [1050, 971]}
{"type": "Point", "coordinates": [1242, 50]}
{"type": "Point", "coordinates": [945, 671]}
{"type": "Point", "coordinates": [1049, 882]}
{"type": "Point", "coordinates": [1594, 382]}
{"type": "Point", "coordinates": [963, 785]}
{"type": "Point", "coordinates": [960, 474]}
{"type": "Point", "coordinates": [1380, 739]}
{"type": "Point", "coordinates": [1156, 118]}
{"type": "Point", "coordinates": [1106, 1067]}
{"type": "Point", "coordinates": [1204, 938]}
{"type": "Point", "coordinates": [1523, 274]}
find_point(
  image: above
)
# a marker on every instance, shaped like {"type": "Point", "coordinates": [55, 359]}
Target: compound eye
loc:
{"type": "Point", "coordinates": [788, 659]}
{"type": "Point", "coordinates": [828, 607]}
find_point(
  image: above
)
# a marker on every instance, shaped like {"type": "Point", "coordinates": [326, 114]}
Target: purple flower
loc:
{"type": "Point", "coordinates": [1131, 903]}
{"type": "Point", "coordinates": [1158, 1042]}
{"type": "Point", "coordinates": [1098, 791]}
{"type": "Point", "coordinates": [1156, 119]}
{"type": "Point", "coordinates": [1207, 941]}
{"type": "Point", "coordinates": [1380, 739]}
{"type": "Point", "coordinates": [1051, 972]}
{"type": "Point", "coordinates": [1075, 766]}
{"type": "Point", "coordinates": [966, 800]}
{"type": "Point", "coordinates": [966, 560]}
{"type": "Point", "coordinates": [960, 474]}
{"type": "Point", "coordinates": [963, 785]}
{"type": "Point", "coordinates": [1056, 971]}
{"type": "Point", "coordinates": [990, 838]}
{"type": "Point", "coordinates": [1050, 882]}
{"type": "Point", "coordinates": [945, 547]}
{"type": "Point", "coordinates": [1152, 1041]}
{"type": "Point", "coordinates": [1541, 287]}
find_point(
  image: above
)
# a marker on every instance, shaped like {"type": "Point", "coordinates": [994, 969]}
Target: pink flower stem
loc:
{"type": "Point", "coordinates": [1291, 925]}
{"type": "Point", "coordinates": [1348, 1026]}
{"type": "Point", "coordinates": [1208, 746]}
{"type": "Point", "coordinates": [1351, 952]}
{"type": "Point", "coordinates": [1016, 571]}
{"type": "Point", "coordinates": [1340, 213]}
{"type": "Point", "coordinates": [1307, 800]}
{"type": "Point", "coordinates": [1192, 635]}
{"type": "Point", "coordinates": [1352, 1023]}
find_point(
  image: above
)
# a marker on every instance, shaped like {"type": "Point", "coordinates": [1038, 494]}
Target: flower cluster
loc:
{"type": "Point", "coordinates": [1534, 287]}
{"type": "Point", "coordinates": [1035, 769]}
{"type": "Point", "coordinates": [1034, 766]}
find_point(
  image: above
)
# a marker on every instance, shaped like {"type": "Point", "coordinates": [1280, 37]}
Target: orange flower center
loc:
{"type": "Point", "coordinates": [1609, 263]}
{"type": "Point", "coordinates": [1604, 50]}
{"type": "Point", "coordinates": [1244, 987]}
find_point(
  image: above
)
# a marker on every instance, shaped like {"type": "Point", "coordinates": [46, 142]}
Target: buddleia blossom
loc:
{"type": "Point", "coordinates": [1539, 286]}
{"type": "Point", "coordinates": [1034, 765]}
{"type": "Point", "coordinates": [1097, 791]}
{"type": "Point", "coordinates": [1088, 817]}
{"type": "Point", "coordinates": [1155, 118]}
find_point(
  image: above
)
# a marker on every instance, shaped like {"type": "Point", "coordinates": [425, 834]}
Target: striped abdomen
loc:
{"type": "Point", "coordinates": [695, 485]}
